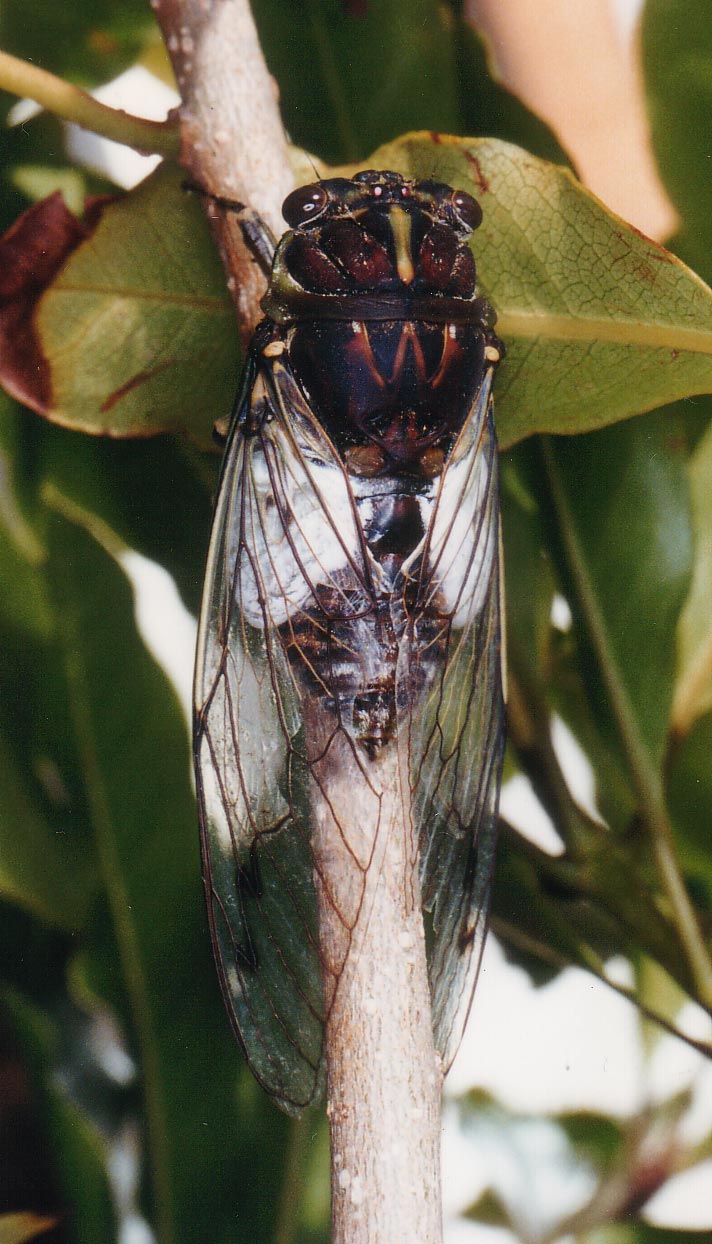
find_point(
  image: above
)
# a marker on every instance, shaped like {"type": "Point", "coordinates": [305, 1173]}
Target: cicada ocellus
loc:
{"type": "Point", "coordinates": [352, 607]}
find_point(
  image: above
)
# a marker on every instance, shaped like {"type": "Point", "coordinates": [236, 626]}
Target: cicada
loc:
{"type": "Point", "coordinates": [352, 605]}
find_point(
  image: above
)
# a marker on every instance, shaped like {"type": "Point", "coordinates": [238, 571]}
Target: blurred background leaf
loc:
{"type": "Point", "coordinates": [88, 43]}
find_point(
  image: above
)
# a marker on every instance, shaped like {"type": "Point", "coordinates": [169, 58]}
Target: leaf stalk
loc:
{"type": "Point", "coordinates": [71, 103]}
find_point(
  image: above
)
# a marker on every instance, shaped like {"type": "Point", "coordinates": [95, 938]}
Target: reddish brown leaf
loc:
{"type": "Point", "coordinates": [32, 251]}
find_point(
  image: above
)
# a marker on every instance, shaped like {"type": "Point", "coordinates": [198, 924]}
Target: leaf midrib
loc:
{"type": "Point", "coordinates": [526, 324]}
{"type": "Point", "coordinates": [537, 324]}
{"type": "Point", "coordinates": [209, 302]}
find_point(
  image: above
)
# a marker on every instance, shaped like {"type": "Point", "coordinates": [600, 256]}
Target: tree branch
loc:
{"type": "Point", "coordinates": [384, 1076]}
{"type": "Point", "coordinates": [233, 142]}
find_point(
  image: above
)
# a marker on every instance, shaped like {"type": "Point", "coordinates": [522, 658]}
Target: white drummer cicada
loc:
{"type": "Point", "coordinates": [352, 596]}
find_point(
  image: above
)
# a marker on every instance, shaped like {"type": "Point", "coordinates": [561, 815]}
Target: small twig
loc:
{"type": "Point", "coordinates": [588, 961]}
{"type": "Point", "coordinates": [233, 142]}
{"type": "Point", "coordinates": [70, 103]}
{"type": "Point", "coordinates": [645, 777]}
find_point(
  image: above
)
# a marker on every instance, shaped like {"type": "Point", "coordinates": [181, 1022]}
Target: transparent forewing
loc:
{"type": "Point", "coordinates": [285, 537]}
{"type": "Point", "coordinates": [452, 725]}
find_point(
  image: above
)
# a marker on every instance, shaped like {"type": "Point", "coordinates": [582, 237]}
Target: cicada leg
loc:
{"type": "Point", "coordinates": [259, 238]}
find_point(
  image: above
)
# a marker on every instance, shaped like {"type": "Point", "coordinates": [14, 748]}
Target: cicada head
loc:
{"type": "Point", "coordinates": [375, 234]}
{"type": "Point", "coordinates": [374, 292]}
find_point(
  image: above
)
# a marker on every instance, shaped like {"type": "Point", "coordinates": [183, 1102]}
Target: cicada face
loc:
{"type": "Point", "coordinates": [351, 605]}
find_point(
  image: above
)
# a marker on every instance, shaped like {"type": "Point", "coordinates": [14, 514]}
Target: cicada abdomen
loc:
{"type": "Point", "coordinates": [351, 618]}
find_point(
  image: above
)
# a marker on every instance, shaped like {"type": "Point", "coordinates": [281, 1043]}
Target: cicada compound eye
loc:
{"type": "Point", "coordinates": [304, 205]}
{"type": "Point", "coordinates": [467, 209]}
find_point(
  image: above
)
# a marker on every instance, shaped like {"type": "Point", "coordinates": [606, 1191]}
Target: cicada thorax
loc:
{"type": "Point", "coordinates": [376, 289]}
{"type": "Point", "coordinates": [373, 295]}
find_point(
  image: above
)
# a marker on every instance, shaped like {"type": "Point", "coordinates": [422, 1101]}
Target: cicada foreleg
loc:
{"type": "Point", "coordinates": [259, 239]}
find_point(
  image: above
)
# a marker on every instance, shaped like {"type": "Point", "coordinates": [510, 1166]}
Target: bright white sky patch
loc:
{"type": "Point", "coordinates": [685, 1203]}
{"type": "Point", "coordinates": [166, 627]}
{"type": "Point", "coordinates": [561, 617]}
{"type": "Point", "coordinates": [520, 807]}
{"type": "Point", "coordinates": [136, 91]}
{"type": "Point", "coordinates": [569, 1045]}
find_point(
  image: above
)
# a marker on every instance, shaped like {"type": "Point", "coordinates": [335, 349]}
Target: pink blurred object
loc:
{"type": "Point", "coordinates": [569, 61]}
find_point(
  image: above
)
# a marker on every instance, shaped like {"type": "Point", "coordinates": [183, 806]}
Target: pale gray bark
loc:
{"type": "Point", "coordinates": [384, 1075]}
{"type": "Point", "coordinates": [233, 141]}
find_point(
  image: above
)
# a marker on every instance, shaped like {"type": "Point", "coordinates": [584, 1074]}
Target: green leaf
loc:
{"type": "Point", "coordinates": [529, 572]}
{"type": "Point", "coordinates": [599, 1138]}
{"type": "Point", "coordinates": [46, 863]}
{"type": "Point", "coordinates": [89, 43]}
{"type": "Point", "coordinates": [624, 516]}
{"type": "Point", "coordinates": [375, 70]}
{"type": "Point", "coordinates": [133, 743]}
{"type": "Point", "coordinates": [690, 796]}
{"type": "Point", "coordinates": [154, 495]}
{"type": "Point", "coordinates": [693, 690]}
{"type": "Point", "coordinates": [584, 301]}
{"type": "Point", "coordinates": [490, 1210]}
{"type": "Point", "coordinates": [34, 954]}
{"type": "Point", "coordinates": [23, 605]}
{"type": "Point", "coordinates": [48, 873]}
{"type": "Point", "coordinates": [570, 694]}
{"type": "Point", "coordinates": [137, 329]}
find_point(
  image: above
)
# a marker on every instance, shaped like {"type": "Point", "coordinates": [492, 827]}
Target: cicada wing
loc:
{"type": "Point", "coordinates": [452, 715]}
{"type": "Point", "coordinates": [276, 547]}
